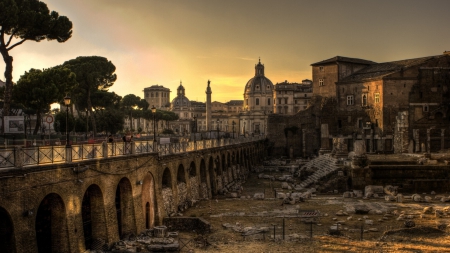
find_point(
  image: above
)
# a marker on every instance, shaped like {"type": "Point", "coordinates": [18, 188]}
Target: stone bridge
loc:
{"type": "Point", "coordinates": [69, 201]}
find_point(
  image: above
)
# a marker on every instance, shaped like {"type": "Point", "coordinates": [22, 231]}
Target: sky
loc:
{"type": "Point", "coordinates": [167, 41]}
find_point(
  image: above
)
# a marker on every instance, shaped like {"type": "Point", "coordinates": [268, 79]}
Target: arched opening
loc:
{"type": "Point", "coordinates": [203, 181]}
{"type": "Point", "coordinates": [181, 178]}
{"type": "Point", "coordinates": [51, 225]}
{"type": "Point", "coordinates": [167, 192]}
{"type": "Point", "coordinates": [212, 177]}
{"type": "Point", "coordinates": [167, 179]}
{"type": "Point", "coordinates": [125, 208]}
{"type": "Point", "coordinates": [148, 200]}
{"type": "Point", "coordinates": [7, 242]}
{"type": "Point", "coordinates": [93, 215]}
{"type": "Point", "coordinates": [224, 170]}
{"type": "Point", "coordinates": [192, 170]}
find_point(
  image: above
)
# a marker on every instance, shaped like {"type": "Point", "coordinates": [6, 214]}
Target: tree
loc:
{"type": "Point", "coordinates": [94, 73]}
{"type": "Point", "coordinates": [22, 20]}
{"type": "Point", "coordinates": [38, 89]}
{"type": "Point", "coordinates": [134, 105]}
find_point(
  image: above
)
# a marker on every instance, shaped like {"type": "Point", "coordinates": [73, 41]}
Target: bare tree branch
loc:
{"type": "Point", "coordinates": [10, 38]}
{"type": "Point", "coordinates": [18, 43]}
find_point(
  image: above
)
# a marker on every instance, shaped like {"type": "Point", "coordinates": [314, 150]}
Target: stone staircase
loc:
{"type": "Point", "coordinates": [323, 165]}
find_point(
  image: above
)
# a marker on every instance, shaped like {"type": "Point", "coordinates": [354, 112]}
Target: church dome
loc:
{"type": "Point", "coordinates": [259, 83]}
{"type": "Point", "coordinates": [181, 100]}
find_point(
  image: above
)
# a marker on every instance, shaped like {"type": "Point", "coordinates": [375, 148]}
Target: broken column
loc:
{"type": "Point", "coordinates": [324, 140]}
{"type": "Point", "coordinates": [340, 148]}
{"type": "Point", "coordinates": [359, 160]}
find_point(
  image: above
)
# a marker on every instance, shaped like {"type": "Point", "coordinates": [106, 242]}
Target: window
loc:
{"type": "Point", "coordinates": [321, 68]}
{"type": "Point", "coordinates": [257, 101]}
{"type": "Point", "coordinates": [305, 95]}
{"type": "Point", "coordinates": [339, 123]}
{"type": "Point", "coordinates": [364, 100]}
{"type": "Point", "coordinates": [295, 101]}
{"type": "Point", "coordinates": [285, 100]}
{"type": "Point", "coordinates": [279, 101]}
{"type": "Point", "coordinates": [257, 87]}
{"type": "Point", "coordinates": [246, 102]}
{"type": "Point", "coordinates": [268, 101]}
{"type": "Point", "coordinates": [151, 94]}
{"type": "Point", "coordinates": [156, 94]}
{"type": "Point", "coordinates": [377, 98]}
{"type": "Point", "coordinates": [320, 82]}
{"type": "Point", "coordinates": [350, 100]}
{"type": "Point", "coordinates": [425, 108]}
{"type": "Point", "coordinates": [268, 87]}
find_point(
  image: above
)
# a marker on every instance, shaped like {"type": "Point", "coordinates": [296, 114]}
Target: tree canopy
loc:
{"type": "Point", "coordinates": [22, 20]}
{"type": "Point", "coordinates": [38, 89]}
{"type": "Point", "coordinates": [93, 74]}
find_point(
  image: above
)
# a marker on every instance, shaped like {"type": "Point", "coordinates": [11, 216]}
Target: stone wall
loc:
{"type": "Point", "coordinates": [168, 203]}
{"type": "Point", "coordinates": [194, 188]}
{"type": "Point", "coordinates": [182, 192]}
{"type": "Point", "coordinates": [126, 195]}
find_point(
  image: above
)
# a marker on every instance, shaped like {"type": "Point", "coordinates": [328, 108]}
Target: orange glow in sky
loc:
{"type": "Point", "coordinates": [162, 42]}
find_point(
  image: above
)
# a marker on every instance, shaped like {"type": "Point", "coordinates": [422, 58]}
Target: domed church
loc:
{"type": "Point", "coordinates": [258, 103]}
{"type": "Point", "coordinates": [258, 93]}
{"type": "Point", "coordinates": [181, 104]}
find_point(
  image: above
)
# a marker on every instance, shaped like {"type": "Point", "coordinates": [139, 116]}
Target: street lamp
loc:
{"type": "Point", "coordinates": [67, 103]}
{"type": "Point", "coordinates": [195, 128]}
{"type": "Point", "coordinates": [154, 123]}
{"type": "Point", "coordinates": [234, 123]}
{"type": "Point", "coordinates": [217, 129]}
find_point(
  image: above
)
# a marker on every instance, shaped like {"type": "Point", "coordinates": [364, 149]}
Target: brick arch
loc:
{"type": "Point", "coordinates": [166, 178]}
{"type": "Point", "coordinates": [7, 239]}
{"type": "Point", "coordinates": [149, 200]}
{"type": "Point", "coordinates": [192, 169]}
{"type": "Point", "coordinates": [216, 164]}
{"type": "Point", "coordinates": [51, 225]}
{"type": "Point", "coordinates": [93, 216]}
{"type": "Point", "coordinates": [125, 208]}
{"type": "Point", "coordinates": [181, 175]}
{"type": "Point", "coordinates": [212, 176]}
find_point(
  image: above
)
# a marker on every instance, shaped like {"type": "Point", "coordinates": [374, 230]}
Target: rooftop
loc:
{"type": "Point", "coordinates": [343, 59]}
{"type": "Point", "coordinates": [379, 70]}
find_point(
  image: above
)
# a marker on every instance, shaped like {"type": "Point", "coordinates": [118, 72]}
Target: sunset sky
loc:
{"type": "Point", "coordinates": [165, 41]}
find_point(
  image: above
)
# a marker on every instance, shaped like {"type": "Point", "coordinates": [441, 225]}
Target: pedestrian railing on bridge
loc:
{"type": "Point", "coordinates": [42, 155]}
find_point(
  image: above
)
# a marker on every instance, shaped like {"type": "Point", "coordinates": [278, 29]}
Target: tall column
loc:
{"type": "Point", "coordinates": [325, 141]}
{"type": "Point", "coordinates": [208, 107]}
{"type": "Point", "coordinates": [304, 142]}
{"type": "Point", "coordinates": [416, 138]}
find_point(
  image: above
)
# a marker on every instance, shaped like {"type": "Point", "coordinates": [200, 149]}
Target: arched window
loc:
{"type": "Point", "coordinates": [364, 100]}
{"type": "Point", "coordinates": [257, 101]}
{"type": "Point", "coordinates": [268, 101]}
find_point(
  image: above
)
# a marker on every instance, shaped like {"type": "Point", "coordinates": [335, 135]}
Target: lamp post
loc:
{"type": "Point", "coordinates": [234, 123]}
{"type": "Point", "coordinates": [154, 123]}
{"type": "Point", "coordinates": [217, 129]}
{"type": "Point", "coordinates": [195, 127]}
{"type": "Point", "coordinates": [67, 103]}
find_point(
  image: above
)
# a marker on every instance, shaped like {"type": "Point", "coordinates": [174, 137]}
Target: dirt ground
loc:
{"type": "Point", "coordinates": [243, 214]}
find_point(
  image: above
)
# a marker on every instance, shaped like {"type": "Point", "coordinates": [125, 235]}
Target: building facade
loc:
{"type": "Point", "coordinates": [158, 96]}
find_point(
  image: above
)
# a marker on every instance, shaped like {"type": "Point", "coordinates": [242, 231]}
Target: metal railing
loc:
{"type": "Point", "coordinates": [29, 156]}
